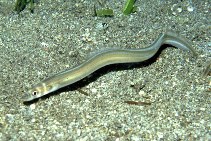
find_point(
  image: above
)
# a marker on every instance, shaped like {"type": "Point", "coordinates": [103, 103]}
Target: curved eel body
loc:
{"type": "Point", "coordinates": [103, 58]}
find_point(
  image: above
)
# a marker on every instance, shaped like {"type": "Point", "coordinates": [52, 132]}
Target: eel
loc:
{"type": "Point", "coordinates": [103, 58]}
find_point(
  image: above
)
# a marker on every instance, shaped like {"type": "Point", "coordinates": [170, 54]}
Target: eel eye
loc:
{"type": "Point", "coordinates": [34, 93]}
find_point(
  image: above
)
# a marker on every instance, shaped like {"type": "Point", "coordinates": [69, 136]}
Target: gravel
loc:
{"type": "Point", "coordinates": [61, 34]}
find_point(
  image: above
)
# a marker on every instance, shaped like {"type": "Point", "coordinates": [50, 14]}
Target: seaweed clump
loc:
{"type": "Point", "coordinates": [20, 5]}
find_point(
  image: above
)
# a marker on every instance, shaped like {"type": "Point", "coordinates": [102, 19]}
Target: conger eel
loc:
{"type": "Point", "coordinates": [103, 58]}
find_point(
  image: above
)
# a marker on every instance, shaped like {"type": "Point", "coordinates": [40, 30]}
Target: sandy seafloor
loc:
{"type": "Point", "coordinates": [61, 34]}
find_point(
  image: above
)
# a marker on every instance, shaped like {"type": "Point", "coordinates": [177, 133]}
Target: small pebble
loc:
{"type": "Point", "coordinates": [32, 106]}
{"type": "Point", "coordinates": [190, 8]}
{"type": "Point", "coordinates": [9, 118]}
{"type": "Point", "coordinates": [141, 93]}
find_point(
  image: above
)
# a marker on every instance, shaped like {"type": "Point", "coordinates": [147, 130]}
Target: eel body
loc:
{"type": "Point", "coordinates": [103, 58]}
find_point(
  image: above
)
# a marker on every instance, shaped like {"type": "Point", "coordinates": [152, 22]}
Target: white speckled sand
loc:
{"type": "Point", "coordinates": [61, 34]}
